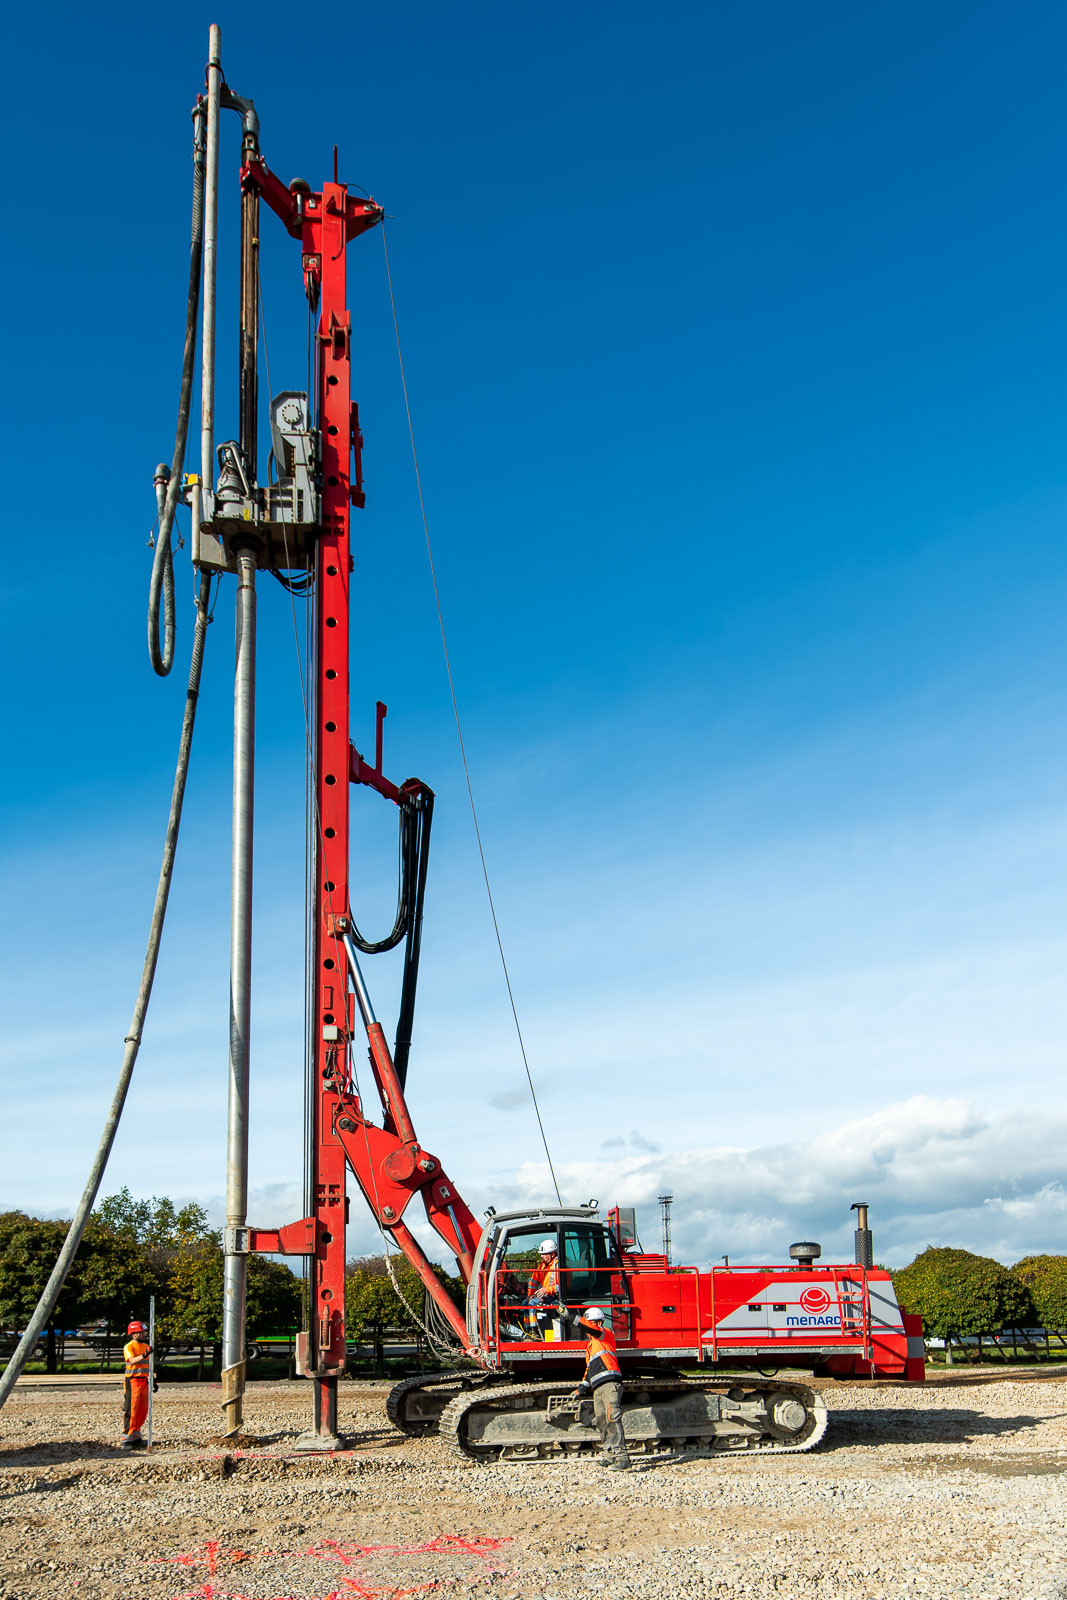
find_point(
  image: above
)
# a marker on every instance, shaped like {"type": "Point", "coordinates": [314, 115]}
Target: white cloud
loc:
{"type": "Point", "coordinates": [934, 1171]}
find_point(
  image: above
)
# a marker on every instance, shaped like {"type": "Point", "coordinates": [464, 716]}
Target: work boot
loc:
{"type": "Point", "coordinates": [133, 1441]}
{"type": "Point", "coordinates": [615, 1463]}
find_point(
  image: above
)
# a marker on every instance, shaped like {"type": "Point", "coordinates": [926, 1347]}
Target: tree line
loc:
{"type": "Point", "coordinates": [960, 1295]}
{"type": "Point", "coordinates": [133, 1249]}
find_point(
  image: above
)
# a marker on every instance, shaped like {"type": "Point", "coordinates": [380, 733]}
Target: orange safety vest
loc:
{"type": "Point", "coordinates": [601, 1362]}
{"type": "Point", "coordinates": [545, 1276]}
{"type": "Point", "coordinates": [136, 1356]}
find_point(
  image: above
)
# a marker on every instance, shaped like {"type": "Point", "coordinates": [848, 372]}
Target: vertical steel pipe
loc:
{"type": "Point", "coordinates": [211, 228]}
{"type": "Point", "coordinates": [235, 1264]}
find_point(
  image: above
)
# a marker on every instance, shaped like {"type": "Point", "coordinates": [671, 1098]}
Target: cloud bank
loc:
{"type": "Point", "coordinates": [934, 1171]}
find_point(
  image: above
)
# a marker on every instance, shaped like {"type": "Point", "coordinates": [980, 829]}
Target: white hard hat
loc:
{"type": "Point", "coordinates": [592, 1314]}
{"type": "Point", "coordinates": [547, 1247]}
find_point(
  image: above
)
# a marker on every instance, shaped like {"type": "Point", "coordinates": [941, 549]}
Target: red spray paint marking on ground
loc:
{"type": "Point", "coordinates": [348, 1554]}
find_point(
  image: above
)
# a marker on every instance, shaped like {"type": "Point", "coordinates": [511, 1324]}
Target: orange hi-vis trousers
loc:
{"type": "Point", "coordinates": [135, 1388]}
{"type": "Point", "coordinates": [134, 1404]}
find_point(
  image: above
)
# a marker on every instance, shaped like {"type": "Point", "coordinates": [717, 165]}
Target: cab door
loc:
{"type": "Point", "coordinates": [591, 1275]}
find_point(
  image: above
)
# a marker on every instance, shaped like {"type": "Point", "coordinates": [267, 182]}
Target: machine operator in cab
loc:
{"type": "Point", "coordinates": [603, 1381]}
{"type": "Point", "coordinates": [544, 1288]}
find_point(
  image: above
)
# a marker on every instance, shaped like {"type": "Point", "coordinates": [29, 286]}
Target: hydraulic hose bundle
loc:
{"type": "Point", "coordinates": [416, 817]}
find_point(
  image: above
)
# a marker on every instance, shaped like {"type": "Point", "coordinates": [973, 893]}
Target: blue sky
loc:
{"type": "Point", "coordinates": [736, 342]}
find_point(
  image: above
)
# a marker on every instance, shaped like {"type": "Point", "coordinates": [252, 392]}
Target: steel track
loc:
{"type": "Point", "coordinates": [455, 1415]}
{"type": "Point", "coordinates": [396, 1404]}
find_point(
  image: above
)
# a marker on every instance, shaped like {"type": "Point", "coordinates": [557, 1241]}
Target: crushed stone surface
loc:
{"type": "Point", "coordinates": [946, 1490]}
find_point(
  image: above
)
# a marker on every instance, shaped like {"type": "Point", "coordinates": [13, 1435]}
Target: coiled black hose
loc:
{"type": "Point", "coordinates": [161, 587]}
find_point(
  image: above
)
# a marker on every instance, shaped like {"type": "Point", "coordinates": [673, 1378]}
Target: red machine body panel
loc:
{"type": "Point", "coordinates": [840, 1320]}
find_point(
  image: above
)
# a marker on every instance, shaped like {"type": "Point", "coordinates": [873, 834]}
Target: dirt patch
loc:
{"type": "Point", "coordinates": [913, 1493]}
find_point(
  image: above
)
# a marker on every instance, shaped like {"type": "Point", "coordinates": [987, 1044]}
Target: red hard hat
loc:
{"type": "Point", "coordinates": [136, 1327]}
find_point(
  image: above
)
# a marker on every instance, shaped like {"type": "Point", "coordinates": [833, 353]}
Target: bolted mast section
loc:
{"type": "Point", "coordinates": [326, 234]}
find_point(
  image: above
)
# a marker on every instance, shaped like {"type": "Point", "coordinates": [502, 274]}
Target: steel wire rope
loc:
{"type": "Point", "coordinates": [53, 1288]}
{"type": "Point", "coordinates": [459, 726]}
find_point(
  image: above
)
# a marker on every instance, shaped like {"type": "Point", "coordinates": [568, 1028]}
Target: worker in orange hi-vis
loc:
{"type": "Point", "coordinates": [603, 1381]}
{"type": "Point", "coordinates": [135, 1385]}
{"type": "Point", "coordinates": [544, 1287]}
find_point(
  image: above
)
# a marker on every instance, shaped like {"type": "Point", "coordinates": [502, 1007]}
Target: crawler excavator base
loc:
{"type": "Point", "coordinates": [513, 1422]}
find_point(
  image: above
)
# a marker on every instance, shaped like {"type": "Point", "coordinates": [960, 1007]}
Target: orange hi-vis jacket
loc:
{"type": "Point", "coordinates": [545, 1276]}
{"type": "Point", "coordinates": [136, 1355]}
{"type": "Point", "coordinates": [601, 1362]}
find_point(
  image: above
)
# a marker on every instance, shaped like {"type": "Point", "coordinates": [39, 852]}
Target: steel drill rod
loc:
{"type": "Point", "coordinates": [235, 1266]}
{"type": "Point", "coordinates": [211, 228]}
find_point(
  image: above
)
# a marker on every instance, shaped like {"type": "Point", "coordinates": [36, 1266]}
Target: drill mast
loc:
{"type": "Point", "coordinates": [299, 527]}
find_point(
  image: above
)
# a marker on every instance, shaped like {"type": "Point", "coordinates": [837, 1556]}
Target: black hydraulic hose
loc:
{"type": "Point", "coordinates": [46, 1305]}
{"type": "Point", "coordinates": [161, 586]}
{"type": "Point", "coordinates": [414, 827]}
{"type": "Point", "coordinates": [416, 817]}
{"type": "Point", "coordinates": [413, 949]}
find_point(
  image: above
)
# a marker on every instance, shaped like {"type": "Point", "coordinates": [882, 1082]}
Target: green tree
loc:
{"type": "Point", "coordinates": [108, 1278]}
{"type": "Point", "coordinates": [191, 1311]}
{"type": "Point", "coordinates": [372, 1304]}
{"type": "Point", "coordinates": [131, 1250]}
{"type": "Point", "coordinates": [156, 1223]}
{"type": "Point", "coordinates": [959, 1294]}
{"type": "Point", "coordinates": [1045, 1279]}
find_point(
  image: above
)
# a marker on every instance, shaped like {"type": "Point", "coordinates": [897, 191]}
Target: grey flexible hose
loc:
{"type": "Point", "coordinates": [162, 581]}
{"type": "Point", "coordinates": [47, 1302]}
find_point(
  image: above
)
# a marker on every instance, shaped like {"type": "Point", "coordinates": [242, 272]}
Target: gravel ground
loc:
{"type": "Point", "coordinates": [953, 1489]}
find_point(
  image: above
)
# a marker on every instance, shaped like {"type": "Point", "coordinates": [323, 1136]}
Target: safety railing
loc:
{"type": "Point", "coordinates": [831, 1305]}
{"type": "Point", "coordinates": [526, 1310]}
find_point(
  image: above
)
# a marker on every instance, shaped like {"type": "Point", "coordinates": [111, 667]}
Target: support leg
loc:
{"type": "Point", "coordinates": [323, 1433]}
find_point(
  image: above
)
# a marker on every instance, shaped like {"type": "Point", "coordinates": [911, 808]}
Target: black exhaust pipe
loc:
{"type": "Point", "coordinates": [864, 1236]}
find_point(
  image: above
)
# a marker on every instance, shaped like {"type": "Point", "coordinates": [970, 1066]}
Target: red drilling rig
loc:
{"type": "Point", "coordinates": [692, 1345]}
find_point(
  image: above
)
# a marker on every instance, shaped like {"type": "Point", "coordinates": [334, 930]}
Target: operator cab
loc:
{"type": "Point", "coordinates": [520, 1294]}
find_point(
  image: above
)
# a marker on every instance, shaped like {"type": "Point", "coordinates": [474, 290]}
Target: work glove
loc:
{"type": "Point", "coordinates": [583, 1391]}
{"type": "Point", "coordinates": [155, 1385]}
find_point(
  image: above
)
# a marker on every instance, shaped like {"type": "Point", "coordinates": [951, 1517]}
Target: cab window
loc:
{"type": "Point", "coordinates": [522, 1249]}
{"type": "Point", "coordinates": [516, 1263]}
{"type": "Point", "coordinates": [587, 1265]}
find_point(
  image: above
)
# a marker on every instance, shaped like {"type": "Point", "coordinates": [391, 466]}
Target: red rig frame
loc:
{"type": "Point", "coordinates": [388, 1162]}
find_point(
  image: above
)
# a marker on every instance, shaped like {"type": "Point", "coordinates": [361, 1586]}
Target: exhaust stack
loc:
{"type": "Point", "coordinates": [864, 1236]}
